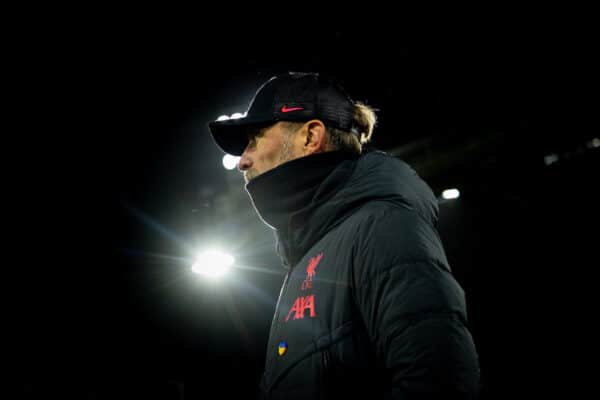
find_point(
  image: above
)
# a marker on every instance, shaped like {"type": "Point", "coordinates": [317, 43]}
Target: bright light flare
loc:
{"type": "Point", "coordinates": [230, 162]}
{"type": "Point", "coordinates": [213, 263]}
{"type": "Point", "coordinates": [449, 194]}
{"type": "Point", "coordinates": [236, 115]}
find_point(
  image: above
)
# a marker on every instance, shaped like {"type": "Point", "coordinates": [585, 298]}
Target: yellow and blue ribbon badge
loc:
{"type": "Point", "coordinates": [282, 348]}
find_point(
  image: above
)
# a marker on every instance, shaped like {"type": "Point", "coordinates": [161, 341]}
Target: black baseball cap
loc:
{"type": "Point", "coordinates": [292, 96]}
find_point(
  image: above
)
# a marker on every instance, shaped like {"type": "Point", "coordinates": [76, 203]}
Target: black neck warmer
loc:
{"type": "Point", "coordinates": [291, 187]}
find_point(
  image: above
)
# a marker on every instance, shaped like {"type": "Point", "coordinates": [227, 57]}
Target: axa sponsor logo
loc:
{"type": "Point", "coordinates": [302, 304]}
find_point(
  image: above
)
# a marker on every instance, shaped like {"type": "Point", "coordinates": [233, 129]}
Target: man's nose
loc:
{"type": "Point", "coordinates": [245, 162]}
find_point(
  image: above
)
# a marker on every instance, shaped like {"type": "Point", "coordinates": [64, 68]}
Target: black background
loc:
{"type": "Point", "coordinates": [113, 178]}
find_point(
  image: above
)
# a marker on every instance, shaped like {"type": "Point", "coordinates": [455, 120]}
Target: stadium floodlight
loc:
{"type": "Point", "coordinates": [213, 263]}
{"type": "Point", "coordinates": [449, 194]}
{"type": "Point", "coordinates": [230, 162]}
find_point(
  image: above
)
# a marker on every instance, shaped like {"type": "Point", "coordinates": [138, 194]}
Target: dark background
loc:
{"type": "Point", "coordinates": [116, 183]}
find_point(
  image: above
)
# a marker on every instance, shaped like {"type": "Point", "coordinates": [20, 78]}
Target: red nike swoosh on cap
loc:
{"type": "Point", "coordinates": [285, 109]}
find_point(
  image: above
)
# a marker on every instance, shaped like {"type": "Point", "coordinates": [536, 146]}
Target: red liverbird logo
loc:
{"type": "Point", "coordinates": [310, 271]}
{"type": "Point", "coordinates": [312, 265]}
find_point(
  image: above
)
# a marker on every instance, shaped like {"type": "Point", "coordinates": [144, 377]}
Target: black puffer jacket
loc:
{"type": "Point", "coordinates": [368, 306]}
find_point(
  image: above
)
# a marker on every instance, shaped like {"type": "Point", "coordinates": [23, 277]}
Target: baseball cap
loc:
{"type": "Point", "coordinates": [292, 96]}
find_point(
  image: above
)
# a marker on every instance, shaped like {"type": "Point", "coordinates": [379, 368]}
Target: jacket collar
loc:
{"type": "Point", "coordinates": [293, 189]}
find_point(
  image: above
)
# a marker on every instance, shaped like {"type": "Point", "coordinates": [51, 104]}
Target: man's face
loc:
{"type": "Point", "coordinates": [268, 149]}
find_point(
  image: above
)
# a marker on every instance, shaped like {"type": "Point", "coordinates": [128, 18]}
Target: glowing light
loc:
{"type": "Point", "coordinates": [550, 159]}
{"type": "Point", "coordinates": [236, 115]}
{"type": "Point", "coordinates": [213, 263]}
{"type": "Point", "coordinates": [450, 194]}
{"type": "Point", "coordinates": [230, 162]}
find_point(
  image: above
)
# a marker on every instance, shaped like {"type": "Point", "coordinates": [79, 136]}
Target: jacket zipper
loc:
{"type": "Point", "coordinates": [281, 296]}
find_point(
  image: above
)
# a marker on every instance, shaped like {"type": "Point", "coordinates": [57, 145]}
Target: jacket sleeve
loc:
{"type": "Point", "coordinates": [413, 309]}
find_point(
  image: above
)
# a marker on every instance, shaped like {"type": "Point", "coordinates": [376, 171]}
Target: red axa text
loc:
{"type": "Point", "coordinates": [300, 305]}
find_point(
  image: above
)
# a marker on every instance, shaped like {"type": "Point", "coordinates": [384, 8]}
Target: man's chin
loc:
{"type": "Point", "coordinates": [249, 177]}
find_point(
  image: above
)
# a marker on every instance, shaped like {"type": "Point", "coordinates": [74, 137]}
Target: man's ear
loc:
{"type": "Point", "coordinates": [315, 140]}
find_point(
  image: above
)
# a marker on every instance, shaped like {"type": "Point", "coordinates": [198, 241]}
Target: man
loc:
{"type": "Point", "coordinates": [368, 306]}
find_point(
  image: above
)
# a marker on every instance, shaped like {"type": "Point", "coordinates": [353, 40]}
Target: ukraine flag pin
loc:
{"type": "Point", "coordinates": [282, 348]}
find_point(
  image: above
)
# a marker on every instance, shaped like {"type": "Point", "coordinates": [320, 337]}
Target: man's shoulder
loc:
{"type": "Point", "coordinates": [392, 229]}
{"type": "Point", "coordinates": [379, 221]}
{"type": "Point", "coordinates": [379, 211]}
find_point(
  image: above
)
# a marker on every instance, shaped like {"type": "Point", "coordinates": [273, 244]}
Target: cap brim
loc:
{"type": "Point", "coordinates": [231, 135]}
